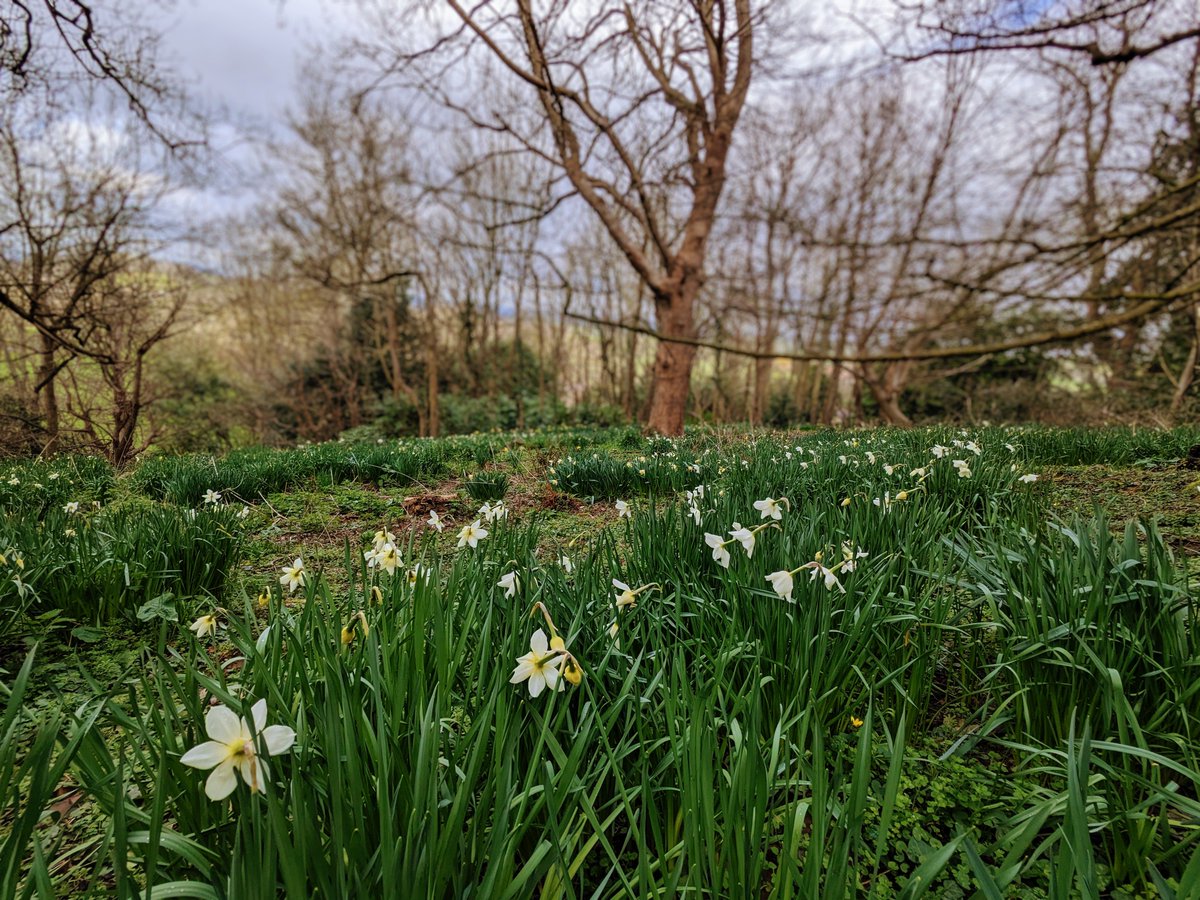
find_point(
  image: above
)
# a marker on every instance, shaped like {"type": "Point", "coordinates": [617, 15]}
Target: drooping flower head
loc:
{"type": "Point", "coordinates": [782, 583]}
{"type": "Point", "coordinates": [717, 544]}
{"type": "Point", "coordinates": [204, 626]}
{"type": "Point", "coordinates": [511, 583]}
{"type": "Point", "coordinates": [770, 508]}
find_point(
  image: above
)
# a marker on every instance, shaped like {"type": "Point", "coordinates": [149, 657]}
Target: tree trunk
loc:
{"type": "Point", "coordinates": [673, 362]}
{"type": "Point", "coordinates": [433, 421]}
{"type": "Point", "coordinates": [887, 391]}
{"type": "Point", "coordinates": [47, 395]}
{"type": "Point", "coordinates": [1188, 372]}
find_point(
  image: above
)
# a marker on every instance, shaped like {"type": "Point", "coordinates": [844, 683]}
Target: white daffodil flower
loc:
{"type": "Point", "coordinates": [435, 521]}
{"type": "Point", "coordinates": [232, 748]}
{"type": "Point", "coordinates": [830, 576]}
{"type": "Point", "coordinates": [623, 511]}
{"type": "Point", "coordinates": [388, 558]}
{"type": "Point", "coordinates": [204, 626]}
{"type": "Point", "coordinates": [567, 565]}
{"type": "Point", "coordinates": [540, 666]}
{"type": "Point", "coordinates": [510, 582]}
{"type": "Point", "coordinates": [72, 507]}
{"type": "Point", "coordinates": [472, 534]}
{"type": "Point", "coordinates": [769, 508]}
{"type": "Point", "coordinates": [1028, 479]}
{"type": "Point", "coordinates": [293, 576]}
{"type": "Point", "coordinates": [782, 584]}
{"type": "Point", "coordinates": [717, 543]}
{"type": "Point", "coordinates": [211, 496]}
{"type": "Point", "coordinates": [625, 596]}
{"type": "Point", "coordinates": [745, 537]}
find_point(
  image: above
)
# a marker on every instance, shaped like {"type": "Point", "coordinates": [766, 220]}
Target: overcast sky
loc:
{"type": "Point", "coordinates": [245, 54]}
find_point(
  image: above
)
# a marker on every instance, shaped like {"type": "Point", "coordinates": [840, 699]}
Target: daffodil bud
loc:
{"type": "Point", "coordinates": [902, 495]}
{"type": "Point", "coordinates": [557, 643]}
{"type": "Point", "coordinates": [573, 673]}
{"type": "Point", "coordinates": [376, 594]}
{"type": "Point", "coordinates": [846, 502]}
{"type": "Point", "coordinates": [347, 634]}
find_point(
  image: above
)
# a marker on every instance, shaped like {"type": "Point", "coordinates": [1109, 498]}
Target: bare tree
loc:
{"type": "Point", "coordinates": [75, 239]}
{"type": "Point", "coordinates": [638, 106]}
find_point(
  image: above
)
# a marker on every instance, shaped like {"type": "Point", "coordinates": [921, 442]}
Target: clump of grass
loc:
{"type": "Point", "coordinates": [94, 567]}
{"type": "Point", "coordinates": [254, 473]}
{"type": "Point", "coordinates": [487, 486]}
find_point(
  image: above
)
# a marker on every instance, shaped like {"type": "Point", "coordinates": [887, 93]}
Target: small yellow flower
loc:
{"type": "Point", "coordinates": [856, 721]}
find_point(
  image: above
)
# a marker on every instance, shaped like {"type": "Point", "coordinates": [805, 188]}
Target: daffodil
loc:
{"type": "Point", "coordinates": [383, 536]}
{"type": "Point", "coordinates": [357, 625]}
{"type": "Point", "coordinates": [293, 576]}
{"type": "Point", "coordinates": [571, 670]}
{"type": "Point", "coordinates": [511, 583]}
{"type": "Point", "coordinates": [387, 558]}
{"type": "Point", "coordinates": [204, 626]}
{"type": "Point", "coordinates": [623, 511]}
{"type": "Point", "coordinates": [233, 748]}
{"type": "Point", "coordinates": [717, 544]}
{"type": "Point", "coordinates": [540, 666]}
{"type": "Point", "coordinates": [782, 583]}
{"type": "Point", "coordinates": [490, 513]}
{"type": "Point", "coordinates": [567, 565]}
{"type": "Point", "coordinates": [829, 575]}
{"type": "Point", "coordinates": [71, 508]}
{"type": "Point", "coordinates": [1028, 479]}
{"type": "Point", "coordinates": [851, 556]}
{"type": "Point", "coordinates": [745, 537]}
{"type": "Point", "coordinates": [625, 595]}
{"type": "Point", "coordinates": [435, 522]}
{"type": "Point", "coordinates": [770, 508]}
{"type": "Point", "coordinates": [472, 534]}
{"type": "Point", "coordinates": [212, 497]}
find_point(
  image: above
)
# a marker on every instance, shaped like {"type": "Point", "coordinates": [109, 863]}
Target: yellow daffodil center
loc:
{"type": "Point", "coordinates": [238, 748]}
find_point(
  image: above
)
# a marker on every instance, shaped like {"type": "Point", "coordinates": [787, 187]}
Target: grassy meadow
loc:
{"type": "Point", "coordinates": [816, 664]}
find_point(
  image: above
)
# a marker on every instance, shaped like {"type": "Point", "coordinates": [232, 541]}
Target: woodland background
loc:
{"type": "Point", "coordinates": [969, 212]}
